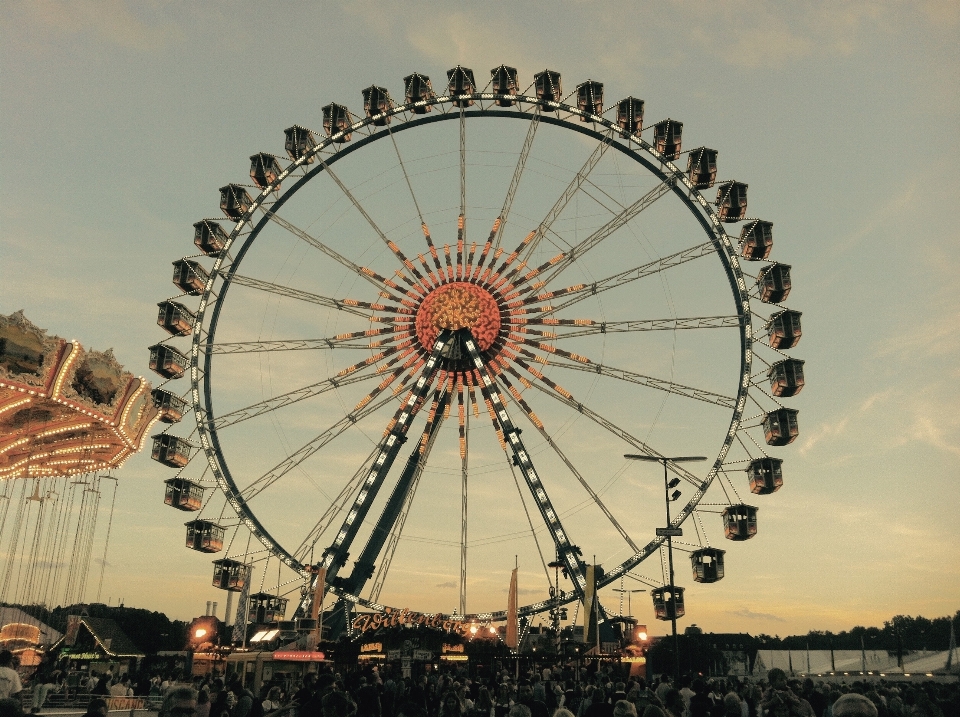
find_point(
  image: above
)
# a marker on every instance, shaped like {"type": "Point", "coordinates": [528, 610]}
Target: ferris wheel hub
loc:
{"type": "Point", "coordinates": [459, 305]}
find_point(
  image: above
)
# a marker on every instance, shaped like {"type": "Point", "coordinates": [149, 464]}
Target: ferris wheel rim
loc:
{"type": "Point", "coordinates": [690, 196]}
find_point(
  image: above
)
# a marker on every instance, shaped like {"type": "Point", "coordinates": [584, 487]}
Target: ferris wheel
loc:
{"type": "Point", "coordinates": [425, 338]}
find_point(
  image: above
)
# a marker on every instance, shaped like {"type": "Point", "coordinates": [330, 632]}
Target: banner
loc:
{"type": "Point", "coordinates": [590, 608]}
{"type": "Point", "coordinates": [511, 638]}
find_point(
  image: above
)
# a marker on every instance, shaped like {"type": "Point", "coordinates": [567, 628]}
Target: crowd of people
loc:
{"type": "Point", "coordinates": [546, 693]}
{"type": "Point", "coordinates": [551, 691]}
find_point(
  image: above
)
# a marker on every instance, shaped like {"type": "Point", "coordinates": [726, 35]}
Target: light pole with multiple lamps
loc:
{"type": "Point", "coordinates": [669, 532]}
{"type": "Point", "coordinates": [628, 593]}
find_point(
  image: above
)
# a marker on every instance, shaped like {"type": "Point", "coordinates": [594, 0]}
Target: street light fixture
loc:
{"type": "Point", "coordinates": [628, 593]}
{"type": "Point", "coordinates": [669, 532]}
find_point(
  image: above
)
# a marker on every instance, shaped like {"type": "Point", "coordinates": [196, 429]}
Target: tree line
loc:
{"type": "Point", "coordinates": [150, 631]}
{"type": "Point", "coordinates": [901, 632]}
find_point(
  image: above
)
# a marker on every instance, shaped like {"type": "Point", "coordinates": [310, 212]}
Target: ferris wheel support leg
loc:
{"type": "Point", "coordinates": [364, 566]}
{"type": "Point", "coordinates": [335, 556]}
{"type": "Point", "coordinates": [566, 551]}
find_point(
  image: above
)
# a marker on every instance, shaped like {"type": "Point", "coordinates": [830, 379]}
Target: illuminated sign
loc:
{"type": "Point", "coordinates": [452, 648]}
{"type": "Point", "coordinates": [407, 618]}
{"type": "Point", "coordinates": [83, 655]}
{"type": "Point", "coordinates": [298, 656]}
{"type": "Point", "coordinates": [372, 647]}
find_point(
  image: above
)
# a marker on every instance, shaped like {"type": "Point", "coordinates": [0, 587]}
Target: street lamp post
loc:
{"type": "Point", "coordinates": [668, 498]}
{"type": "Point", "coordinates": [556, 595]}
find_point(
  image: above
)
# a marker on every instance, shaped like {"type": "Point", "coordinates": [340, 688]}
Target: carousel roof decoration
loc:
{"type": "Point", "coordinates": [64, 409]}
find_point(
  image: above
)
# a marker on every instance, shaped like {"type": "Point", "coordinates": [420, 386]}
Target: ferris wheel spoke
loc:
{"type": "Point", "coordinates": [557, 265]}
{"type": "Point", "coordinates": [648, 381]}
{"type": "Point", "coordinates": [462, 224]}
{"type": "Point", "coordinates": [568, 194]}
{"type": "Point", "coordinates": [374, 278]}
{"type": "Point", "coordinates": [340, 341]}
{"type": "Point", "coordinates": [373, 225]}
{"type": "Point", "coordinates": [619, 433]}
{"type": "Point", "coordinates": [538, 424]}
{"type": "Point", "coordinates": [336, 506]}
{"type": "Point", "coordinates": [589, 327]}
{"type": "Point", "coordinates": [353, 374]}
{"type": "Point", "coordinates": [350, 306]}
{"type": "Point", "coordinates": [580, 292]}
{"type": "Point", "coordinates": [406, 176]}
{"type": "Point", "coordinates": [515, 179]}
{"type": "Point", "coordinates": [304, 452]}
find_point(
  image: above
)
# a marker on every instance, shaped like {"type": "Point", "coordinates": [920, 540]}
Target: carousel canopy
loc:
{"type": "Point", "coordinates": [64, 409]}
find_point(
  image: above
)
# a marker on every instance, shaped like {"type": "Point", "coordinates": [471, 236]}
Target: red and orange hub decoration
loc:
{"type": "Point", "coordinates": [459, 305]}
{"type": "Point", "coordinates": [493, 295]}
{"type": "Point", "coordinates": [65, 410]}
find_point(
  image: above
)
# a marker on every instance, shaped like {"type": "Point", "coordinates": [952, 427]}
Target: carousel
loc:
{"type": "Point", "coordinates": [68, 415]}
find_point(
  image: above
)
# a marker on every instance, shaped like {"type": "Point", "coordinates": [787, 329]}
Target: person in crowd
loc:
{"type": "Point", "coordinates": [102, 686]}
{"type": "Point", "coordinates": [96, 708]}
{"type": "Point", "coordinates": [10, 708]}
{"type": "Point", "coordinates": [220, 699]}
{"type": "Point", "coordinates": [121, 688]}
{"type": "Point", "coordinates": [599, 707]}
{"type": "Point", "coordinates": [700, 703]}
{"type": "Point", "coordinates": [450, 705]}
{"type": "Point", "coordinates": [10, 685]}
{"type": "Point", "coordinates": [732, 705]}
{"type": "Point", "coordinates": [641, 696]}
{"type": "Point", "coordinates": [663, 688]}
{"type": "Point", "coordinates": [243, 700]}
{"type": "Point", "coordinates": [463, 693]}
{"type": "Point", "coordinates": [483, 707]}
{"type": "Point", "coordinates": [368, 700]}
{"type": "Point", "coordinates": [338, 704]}
{"type": "Point", "coordinates": [526, 698]}
{"type": "Point", "coordinates": [624, 708]}
{"type": "Point", "coordinates": [503, 701]}
{"type": "Point", "coordinates": [519, 710]}
{"type": "Point", "coordinates": [673, 703]}
{"type": "Point", "coordinates": [272, 701]}
{"type": "Point", "coordinates": [586, 700]}
{"type": "Point", "coordinates": [778, 698]}
{"type": "Point", "coordinates": [410, 709]}
{"type": "Point", "coordinates": [203, 702]}
{"type": "Point", "coordinates": [305, 694]}
{"type": "Point", "coordinates": [686, 692]}
{"type": "Point", "coordinates": [43, 682]}
{"type": "Point", "coordinates": [854, 705]}
{"type": "Point", "coordinates": [178, 702]}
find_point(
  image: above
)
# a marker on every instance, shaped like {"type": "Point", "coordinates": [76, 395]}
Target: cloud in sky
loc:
{"type": "Point", "coordinates": [113, 21]}
{"type": "Point", "coordinates": [448, 584]}
{"type": "Point", "coordinates": [749, 614]}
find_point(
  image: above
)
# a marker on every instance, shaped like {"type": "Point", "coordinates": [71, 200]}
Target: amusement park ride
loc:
{"type": "Point", "coordinates": [625, 336]}
{"type": "Point", "coordinates": [67, 417]}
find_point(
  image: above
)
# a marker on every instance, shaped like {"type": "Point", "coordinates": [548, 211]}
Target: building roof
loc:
{"type": "Point", "coordinates": [108, 636]}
